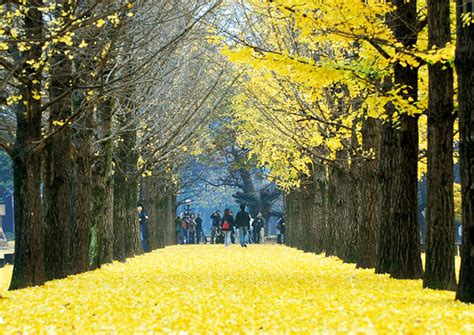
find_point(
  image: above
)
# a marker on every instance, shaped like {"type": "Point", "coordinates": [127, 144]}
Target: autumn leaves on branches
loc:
{"type": "Point", "coordinates": [336, 100]}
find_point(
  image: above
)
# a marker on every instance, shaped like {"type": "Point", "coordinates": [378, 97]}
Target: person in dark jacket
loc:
{"type": "Point", "coordinates": [144, 228]}
{"type": "Point", "coordinates": [232, 233]}
{"type": "Point", "coordinates": [258, 224]}
{"type": "Point", "coordinates": [191, 229]}
{"type": "Point", "coordinates": [177, 224]}
{"type": "Point", "coordinates": [216, 221]}
{"type": "Point", "coordinates": [242, 222]}
{"type": "Point", "coordinates": [281, 230]}
{"type": "Point", "coordinates": [227, 223]}
{"type": "Point", "coordinates": [198, 228]}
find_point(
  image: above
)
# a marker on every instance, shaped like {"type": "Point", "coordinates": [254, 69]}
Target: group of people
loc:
{"type": "Point", "coordinates": [189, 229]}
{"type": "Point", "coordinates": [248, 228]}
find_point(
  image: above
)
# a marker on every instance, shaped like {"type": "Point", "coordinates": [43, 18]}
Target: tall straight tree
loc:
{"type": "Point", "coordinates": [406, 255]}
{"type": "Point", "coordinates": [58, 160]}
{"type": "Point", "coordinates": [370, 202]}
{"type": "Point", "coordinates": [102, 234]}
{"type": "Point", "coordinates": [465, 71]}
{"type": "Point", "coordinates": [439, 270]}
{"type": "Point", "coordinates": [29, 263]}
{"type": "Point", "coordinates": [401, 257]}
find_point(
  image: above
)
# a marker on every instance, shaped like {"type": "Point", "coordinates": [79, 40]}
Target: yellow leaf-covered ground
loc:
{"type": "Point", "coordinates": [207, 289]}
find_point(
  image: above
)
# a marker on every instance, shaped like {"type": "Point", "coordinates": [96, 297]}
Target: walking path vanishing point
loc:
{"type": "Point", "coordinates": [263, 288]}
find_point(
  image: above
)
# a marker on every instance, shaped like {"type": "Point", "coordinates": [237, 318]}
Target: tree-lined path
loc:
{"type": "Point", "coordinates": [345, 127]}
{"type": "Point", "coordinates": [213, 289]}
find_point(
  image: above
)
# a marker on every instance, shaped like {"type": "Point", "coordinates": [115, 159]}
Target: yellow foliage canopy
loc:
{"type": "Point", "coordinates": [314, 71]}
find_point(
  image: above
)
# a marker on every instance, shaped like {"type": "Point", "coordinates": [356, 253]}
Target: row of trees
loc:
{"type": "Point", "coordinates": [334, 99]}
{"type": "Point", "coordinates": [98, 100]}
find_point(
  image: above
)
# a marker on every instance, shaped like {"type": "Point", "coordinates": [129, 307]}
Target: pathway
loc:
{"type": "Point", "coordinates": [264, 289]}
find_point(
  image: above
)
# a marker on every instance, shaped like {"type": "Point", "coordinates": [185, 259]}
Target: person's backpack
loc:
{"type": "Point", "coordinates": [226, 225]}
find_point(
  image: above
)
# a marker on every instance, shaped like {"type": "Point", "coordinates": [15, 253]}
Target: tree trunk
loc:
{"type": "Point", "coordinates": [370, 195]}
{"type": "Point", "coordinates": [353, 197]}
{"type": "Point", "coordinates": [132, 226]}
{"type": "Point", "coordinates": [102, 213]}
{"type": "Point", "coordinates": [159, 197]}
{"type": "Point", "coordinates": [293, 223]}
{"type": "Point", "coordinates": [332, 206]}
{"type": "Point", "coordinates": [465, 71]}
{"type": "Point", "coordinates": [58, 165]}
{"type": "Point", "coordinates": [249, 191]}
{"type": "Point", "coordinates": [151, 200]}
{"type": "Point", "coordinates": [82, 200]}
{"type": "Point", "coordinates": [307, 213]}
{"type": "Point", "coordinates": [120, 213]}
{"type": "Point", "coordinates": [126, 226]}
{"type": "Point", "coordinates": [162, 220]}
{"type": "Point", "coordinates": [406, 254]}
{"type": "Point", "coordinates": [341, 215]}
{"type": "Point", "coordinates": [288, 206]}
{"type": "Point", "coordinates": [385, 170]}
{"type": "Point", "coordinates": [319, 198]}
{"type": "Point", "coordinates": [399, 248]}
{"type": "Point", "coordinates": [440, 248]}
{"type": "Point", "coordinates": [29, 252]}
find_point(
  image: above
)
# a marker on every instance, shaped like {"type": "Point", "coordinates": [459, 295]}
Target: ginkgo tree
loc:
{"type": "Point", "coordinates": [79, 76]}
{"type": "Point", "coordinates": [337, 83]}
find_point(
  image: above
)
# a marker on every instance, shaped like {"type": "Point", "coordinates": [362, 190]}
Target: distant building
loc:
{"type": "Point", "coordinates": [8, 221]}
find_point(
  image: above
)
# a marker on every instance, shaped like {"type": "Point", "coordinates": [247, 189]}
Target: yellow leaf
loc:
{"type": "Point", "coordinates": [99, 23]}
{"type": "Point", "coordinates": [83, 44]}
{"type": "Point", "coordinates": [36, 95]}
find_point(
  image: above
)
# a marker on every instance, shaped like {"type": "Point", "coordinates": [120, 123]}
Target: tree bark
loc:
{"type": "Point", "coordinates": [401, 256]}
{"type": "Point", "coordinates": [159, 197]}
{"type": "Point", "coordinates": [120, 214]}
{"type": "Point", "coordinates": [440, 248]}
{"type": "Point", "coordinates": [319, 199]}
{"type": "Point", "coordinates": [132, 226]}
{"type": "Point", "coordinates": [288, 206]}
{"type": "Point", "coordinates": [370, 195]}
{"type": "Point", "coordinates": [126, 226]}
{"type": "Point", "coordinates": [151, 200]}
{"type": "Point", "coordinates": [101, 245]}
{"type": "Point", "coordinates": [293, 222]}
{"type": "Point", "coordinates": [465, 71]}
{"type": "Point", "coordinates": [307, 213]}
{"type": "Point", "coordinates": [341, 214]}
{"type": "Point", "coordinates": [29, 252]}
{"type": "Point", "coordinates": [58, 165]}
{"type": "Point", "coordinates": [386, 166]}
{"type": "Point", "coordinates": [332, 206]}
{"type": "Point", "coordinates": [82, 200]}
{"type": "Point", "coordinates": [406, 254]}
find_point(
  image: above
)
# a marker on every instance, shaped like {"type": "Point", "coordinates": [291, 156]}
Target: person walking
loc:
{"type": "Point", "coordinates": [232, 233]}
{"type": "Point", "coordinates": [191, 229]}
{"type": "Point", "coordinates": [258, 224]}
{"type": "Point", "coordinates": [144, 226]}
{"type": "Point", "coordinates": [216, 221]}
{"type": "Point", "coordinates": [242, 221]}
{"type": "Point", "coordinates": [198, 228]}
{"type": "Point", "coordinates": [183, 231]}
{"type": "Point", "coordinates": [281, 230]}
{"type": "Point", "coordinates": [227, 223]}
{"type": "Point", "coordinates": [177, 224]}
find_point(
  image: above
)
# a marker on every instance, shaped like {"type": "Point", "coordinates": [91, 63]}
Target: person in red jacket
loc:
{"type": "Point", "coordinates": [227, 223]}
